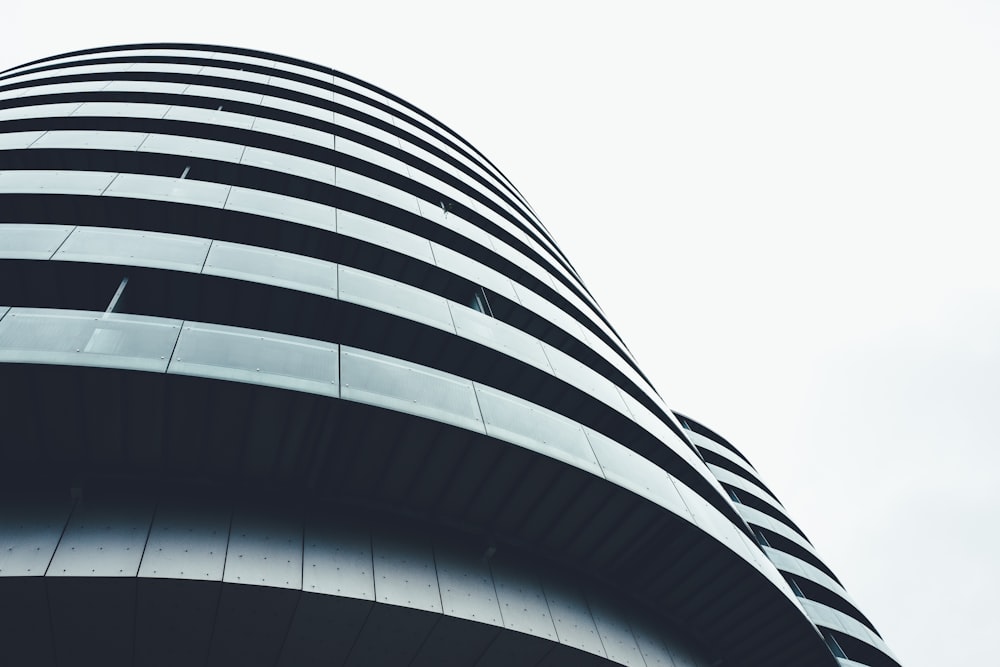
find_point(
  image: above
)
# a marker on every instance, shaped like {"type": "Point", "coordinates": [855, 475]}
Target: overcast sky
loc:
{"type": "Point", "coordinates": [789, 211]}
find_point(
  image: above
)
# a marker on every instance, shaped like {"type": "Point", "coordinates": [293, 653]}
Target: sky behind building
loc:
{"type": "Point", "coordinates": [788, 211]}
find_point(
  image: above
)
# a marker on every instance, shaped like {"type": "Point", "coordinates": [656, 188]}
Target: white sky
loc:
{"type": "Point", "coordinates": [789, 211]}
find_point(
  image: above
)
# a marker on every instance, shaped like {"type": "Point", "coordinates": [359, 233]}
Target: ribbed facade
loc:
{"type": "Point", "coordinates": [293, 375]}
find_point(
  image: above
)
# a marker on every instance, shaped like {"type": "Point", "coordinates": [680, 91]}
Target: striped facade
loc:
{"type": "Point", "coordinates": [294, 375]}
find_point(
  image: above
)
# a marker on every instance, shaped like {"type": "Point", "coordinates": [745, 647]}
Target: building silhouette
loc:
{"type": "Point", "coordinates": [293, 375]}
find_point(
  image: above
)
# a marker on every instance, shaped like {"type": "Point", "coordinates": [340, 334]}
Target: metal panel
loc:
{"type": "Point", "coordinates": [239, 75]}
{"type": "Point", "coordinates": [391, 636]}
{"type": "Point", "coordinates": [264, 550]}
{"type": "Point", "coordinates": [348, 147]}
{"type": "Point", "coordinates": [455, 643]}
{"type": "Point", "coordinates": [39, 111]}
{"type": "Point", "coordinates": [404, 572]}
{"type": "Point", "coordinates": [134, 248]}
{"type": "Point", "coordinates": [466, 585]}
{"type": "Point", "coordinates": [298, 107]}
{"type": "Point", "coordinates": [323, 630]}
{"type": "Point", "coordinates": [387, 236]}
{"type": "Point", "coordinates": [54, 182]}
{"type": "Point", "coordinates": [210, 116]}
{"type": "Point", "coordinates": [186, 541]}
{"type": "Point", "coordinates": [165, 188]}
{"type": "Point", "coordinates": [395, 384]}
{"type": "Point", "coordinates": [165, 87]}
{"type": "Point", "coordinates": [29, 534]}
{"type": "Point", "coordinates": [192, 147]}
{"type": "Point", "coordinates": [272, 267]}
{"type": "Point", "coordinates": [654, 650]}
{"type": "Point", "coordinates": [280, 207]}
{"type": "Point", "coordinates": [292, 131]}
{"type": "Point", "coordinates": [470, 269]}
{"type": "Point", "coordinates": [103, 540]}
{"type": "Point", "coordinates": [289, 164]}
{"type": "Point", "coordinates": [31, 241]}
{"type": "Point", "coordinates": [522, 601]}
{"type": "Point", "coordinates": [489, 331]}
{"type": "Point", "coordinates": [629, 470]}
{"type": "Point", "coordinates": [582, 377]}
{"type": "Point", "coordinates": [174, 621]}
{"type": "Point", "coordinates": [571, 616]}
{"type": "Point", "coordinates": [338, 560]}
{"type": "Point", "coordinates": [81, 338]}
{"type": "Point", "coordinates": [16, 140]}
{"type": "Point", "coordinates": [25, 621]}
{"type": "Point", "coordinates": [391, 296]}
{"type": "Point", "coordinates": [218, 93]}
{"type": "Point", "coordinates": [93, 619]}
{"type": "Point", "coordinates": [722, 529]}
{"type": "Point", "coordinates": [129, 109]}
{"type": "Point", "coordinates": [251, 625]}
{"type": "Point", "coordinates": [256, 357]}
{"type": "Point", "coordinates": [613, 628]}
{"type": "Point", "coordinates": [535, 428]}
{"type": "Point", "coordinates": [370, 187]}
{"type": "Point", "coordinates": [361, 126]}
{"type": "Point", "coordinates": [93, 139]}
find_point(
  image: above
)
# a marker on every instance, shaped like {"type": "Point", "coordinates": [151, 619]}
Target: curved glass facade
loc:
{"type": "Point", "coordinates": [301, 379]}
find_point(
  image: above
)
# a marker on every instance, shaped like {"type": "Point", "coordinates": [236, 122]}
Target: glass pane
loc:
{"type": "Point", "coordinates": [385, 294]}
{"type": "Point", "coordinates": [536, 428]}
{"type": "Point", "coordinates": [257, 357]}
{"type": "Point", "coordinates": [134, 248]}
{"type": "Point", "coordinates": [271, 267]}
{"type": "Point", "coordinates": [377, 379]}
{"type": "Point", "coordinates": [193, 147]}
{"type": "Point", "coordinates": [81, 338]}
{"type": "Point", "coordinates": [187, 191]}
{"type": "Point", "coordinates": [31, 241]}
{"type": "Point", "coordinates": [283, 208]}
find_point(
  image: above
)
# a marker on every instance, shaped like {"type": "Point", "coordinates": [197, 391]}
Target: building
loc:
{"type": "Point", "coordinates": [293, 375]}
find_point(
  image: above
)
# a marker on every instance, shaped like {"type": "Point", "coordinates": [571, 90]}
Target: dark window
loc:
{"type": "Point", "coordinates": [479, 302]}
{"type": "Point", "coordinates": [759, 534]}
{"type": "Point", "coordinates": [794, 585]}
{"type": "Point", "coordinates": [732, 494]}
{"type": "Point", "coordinates": [834, 646]}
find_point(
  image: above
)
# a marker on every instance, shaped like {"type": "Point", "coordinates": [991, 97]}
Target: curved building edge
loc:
{"type": "Point", "coordinates": [249, 302]}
